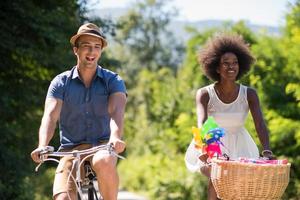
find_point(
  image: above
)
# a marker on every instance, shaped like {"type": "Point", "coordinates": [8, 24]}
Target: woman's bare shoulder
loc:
{"type": "Point", "coordinates": [202, 95]}
{"type": "Point", "coordinates": [251, 94]}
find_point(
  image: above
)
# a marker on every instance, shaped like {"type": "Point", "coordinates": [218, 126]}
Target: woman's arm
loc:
{"type": "Point", "coordinates": [259, 122]}
{"type": "Point", "coordinates": [202, 99]}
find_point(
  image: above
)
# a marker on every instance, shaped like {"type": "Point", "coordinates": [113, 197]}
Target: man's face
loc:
{"type": "Point", "coordinates": [88, 50]}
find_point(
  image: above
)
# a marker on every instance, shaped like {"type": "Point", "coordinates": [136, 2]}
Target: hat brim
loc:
{"type": "Point", "coordinates": [75, 37]}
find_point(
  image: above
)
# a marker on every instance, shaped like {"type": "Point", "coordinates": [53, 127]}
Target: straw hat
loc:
{"type": "Point", "coordinates": [89, 29]}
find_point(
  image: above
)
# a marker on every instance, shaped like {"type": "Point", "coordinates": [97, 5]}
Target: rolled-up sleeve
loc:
{"type": "Point", "coordinates": [116, 84]}
{"type": "Point", "coordinates": [56, 88]}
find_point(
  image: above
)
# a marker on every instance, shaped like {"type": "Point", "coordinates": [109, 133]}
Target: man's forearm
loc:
{"type": "Point", "coordinates": [46, 131]}
{"type": "Point", "coordinates": [116, 110]}
{"type": "Point", "coordinates": [116, 128]}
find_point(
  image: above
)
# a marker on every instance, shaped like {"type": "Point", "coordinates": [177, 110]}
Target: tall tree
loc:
{"type": "Point", "coordinates": [146, 47]}
{"type": "Point", "coordinates": [34, 46]}
{"type": "Point", "coordinates": [145, 37]}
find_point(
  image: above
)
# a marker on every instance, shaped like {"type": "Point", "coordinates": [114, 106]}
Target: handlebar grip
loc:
{"type": "Point", "coordinates": [47, 149]}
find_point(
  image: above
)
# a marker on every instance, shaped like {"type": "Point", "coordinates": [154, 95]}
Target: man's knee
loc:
{"type": "Point", "coordinates": [104, 162]}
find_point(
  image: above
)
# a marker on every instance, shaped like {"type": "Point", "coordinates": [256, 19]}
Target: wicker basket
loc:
{"type": "Point", "coordinates": [236, 180]}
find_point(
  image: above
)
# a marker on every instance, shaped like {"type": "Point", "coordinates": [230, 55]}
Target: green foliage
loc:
{"type": "Point", "coordinates": [285, 140]}
{"type": "Point", "coordinates": [160, 125]}
{"type": "Point", "coordinates": [162, 176]}
{"type": "Point", "coordinates": [42, 191]}
{"type": "Point", "coordinates": [270, 76]}
{"type": "Point", "coordinates": [144, 38]}
{"type": "Point", "coordinates": [153, 100]}
{"type": "Point", "coordinates": [34, 47]}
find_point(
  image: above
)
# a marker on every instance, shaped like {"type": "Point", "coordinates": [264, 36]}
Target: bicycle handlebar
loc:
{"type": "Point", "coordinates": [46, 149]}
{"type": "Point", "coordinates": [49, 151]}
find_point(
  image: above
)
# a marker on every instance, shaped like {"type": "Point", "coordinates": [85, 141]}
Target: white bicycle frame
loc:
{"type": "Point", "coordinates": [48, 151]}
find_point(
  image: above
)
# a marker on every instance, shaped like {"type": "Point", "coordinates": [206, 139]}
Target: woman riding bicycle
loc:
{"type": "Point", "coordinates": [225, 59]}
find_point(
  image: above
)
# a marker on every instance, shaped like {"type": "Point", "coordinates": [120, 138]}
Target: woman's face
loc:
{"type": "Point", "coordinates": [229, 67]}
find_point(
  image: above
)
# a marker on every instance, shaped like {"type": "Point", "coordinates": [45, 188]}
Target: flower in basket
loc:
{"type": "Point", "coordinates": [263, 161]}
{"type": "Point", "coordinates": [207, 139]}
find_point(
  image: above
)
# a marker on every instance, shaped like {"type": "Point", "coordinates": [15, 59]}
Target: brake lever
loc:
{"type": "Point", "coordinates": [112, 151]}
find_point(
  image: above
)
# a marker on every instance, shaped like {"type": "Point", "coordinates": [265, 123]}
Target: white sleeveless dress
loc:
{"type": "Point", "coordinates": [237, 141]}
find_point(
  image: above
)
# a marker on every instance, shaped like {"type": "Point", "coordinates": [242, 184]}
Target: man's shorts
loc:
{"type": "Point", "coordinates": [61, 183]}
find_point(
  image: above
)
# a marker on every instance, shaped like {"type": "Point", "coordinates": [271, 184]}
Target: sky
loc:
{"type": "Point", "coordinates": [260, 12]}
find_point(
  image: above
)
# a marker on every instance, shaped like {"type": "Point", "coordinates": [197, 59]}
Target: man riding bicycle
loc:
{"type": "Point", "coordinates": [89, 103]}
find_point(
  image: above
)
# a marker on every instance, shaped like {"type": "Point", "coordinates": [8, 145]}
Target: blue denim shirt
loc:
{"type": "Point", "coordinates": [84, 117]}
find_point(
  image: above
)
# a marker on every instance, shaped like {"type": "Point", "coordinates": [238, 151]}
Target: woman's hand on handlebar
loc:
{"type": "Point", "coordinates": [268, 154]}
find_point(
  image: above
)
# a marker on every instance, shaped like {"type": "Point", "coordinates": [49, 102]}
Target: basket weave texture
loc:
{"type": "Point", "coordinates": [249, 181]}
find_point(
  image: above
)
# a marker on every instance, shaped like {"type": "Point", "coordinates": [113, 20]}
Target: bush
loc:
{"type": "Point", "coordinates": [162, 177]}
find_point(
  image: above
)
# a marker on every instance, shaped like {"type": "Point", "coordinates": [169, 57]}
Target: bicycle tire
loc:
{"type": "Point", "coordinates": [78, 196]}
{"type": "Point", "coordinates": [91, 193]}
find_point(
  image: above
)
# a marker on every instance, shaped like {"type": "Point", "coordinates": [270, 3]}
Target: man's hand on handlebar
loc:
{"type": "Point", "coordinates": [118, 144]}
{"type": "Point", "coordinates": [36, 154]}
